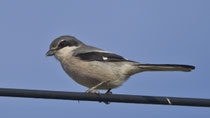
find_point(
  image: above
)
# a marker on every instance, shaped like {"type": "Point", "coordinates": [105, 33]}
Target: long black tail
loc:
{"type": "Point", "coordinates": [166, 67]}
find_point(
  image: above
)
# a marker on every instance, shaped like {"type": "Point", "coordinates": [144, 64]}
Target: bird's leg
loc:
{"type": "Point", "coordinates": [109, 91]}
{"type": "Point", "coordinates": [91, 90]}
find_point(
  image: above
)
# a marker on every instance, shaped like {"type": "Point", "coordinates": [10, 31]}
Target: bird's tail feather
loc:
{"type": "Point", "coordinates": [166, 67]}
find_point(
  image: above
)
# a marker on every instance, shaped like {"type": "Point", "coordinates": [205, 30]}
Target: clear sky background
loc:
{"type": "Point", "coordinates": [148, 31]}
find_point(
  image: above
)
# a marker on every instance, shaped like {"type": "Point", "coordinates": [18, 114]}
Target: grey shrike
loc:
{"type": "Point", "coordinates": [98, 69]}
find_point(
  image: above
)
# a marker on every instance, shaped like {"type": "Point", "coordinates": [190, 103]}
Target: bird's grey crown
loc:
{"type": "Point", "coordinates": [69, 41]}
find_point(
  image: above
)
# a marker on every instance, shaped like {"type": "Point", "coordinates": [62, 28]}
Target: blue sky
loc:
{"type": "Point", "coordinates": [147, 31]}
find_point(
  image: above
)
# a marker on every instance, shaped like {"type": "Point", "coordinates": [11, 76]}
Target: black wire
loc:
{"type": "Point", "coordinates": [106, 98]}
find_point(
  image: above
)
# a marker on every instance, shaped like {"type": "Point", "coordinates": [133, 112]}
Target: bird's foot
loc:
{"type": "Point", "coordinates": [92, 91]}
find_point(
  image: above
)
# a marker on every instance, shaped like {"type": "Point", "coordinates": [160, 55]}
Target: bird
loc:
{"type": "Point", "coordinates": [98, 69]}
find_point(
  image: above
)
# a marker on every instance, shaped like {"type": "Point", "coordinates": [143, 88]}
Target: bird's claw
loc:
{"type": "Point", "coordinates": [93, 92]}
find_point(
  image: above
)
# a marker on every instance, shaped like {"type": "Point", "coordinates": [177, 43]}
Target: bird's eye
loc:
{"type": "Point", "coordinates": [63, 44]}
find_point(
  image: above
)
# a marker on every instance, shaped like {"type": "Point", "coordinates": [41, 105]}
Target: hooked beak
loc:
{"type": "Point", "coordinates": [51, 52]}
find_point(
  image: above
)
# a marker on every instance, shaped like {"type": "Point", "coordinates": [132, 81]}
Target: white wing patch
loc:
{"type": "Point", "coordinates": [105, 58]}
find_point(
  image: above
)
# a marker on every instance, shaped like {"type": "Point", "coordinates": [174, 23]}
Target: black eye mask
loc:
{"type": "Point", "coordinates": [65, 43]}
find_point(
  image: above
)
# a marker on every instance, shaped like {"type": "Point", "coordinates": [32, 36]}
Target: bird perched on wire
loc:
{"type": "Point", "coordinates": [98, 69]}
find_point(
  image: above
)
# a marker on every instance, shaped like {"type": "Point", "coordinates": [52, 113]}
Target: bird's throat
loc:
{"type": "Point", "coordinates": [64, 52]}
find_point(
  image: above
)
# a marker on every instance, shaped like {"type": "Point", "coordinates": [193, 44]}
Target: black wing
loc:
{"type": "Point", "coordinates": [100, 56]}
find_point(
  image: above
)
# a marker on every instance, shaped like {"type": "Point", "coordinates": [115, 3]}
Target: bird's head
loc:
{"type": "Point", "coordinates": [63, 45]}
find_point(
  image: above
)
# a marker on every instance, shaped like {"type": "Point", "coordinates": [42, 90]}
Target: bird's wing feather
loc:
{"type": "Point", "coordinates": [100, 56]}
